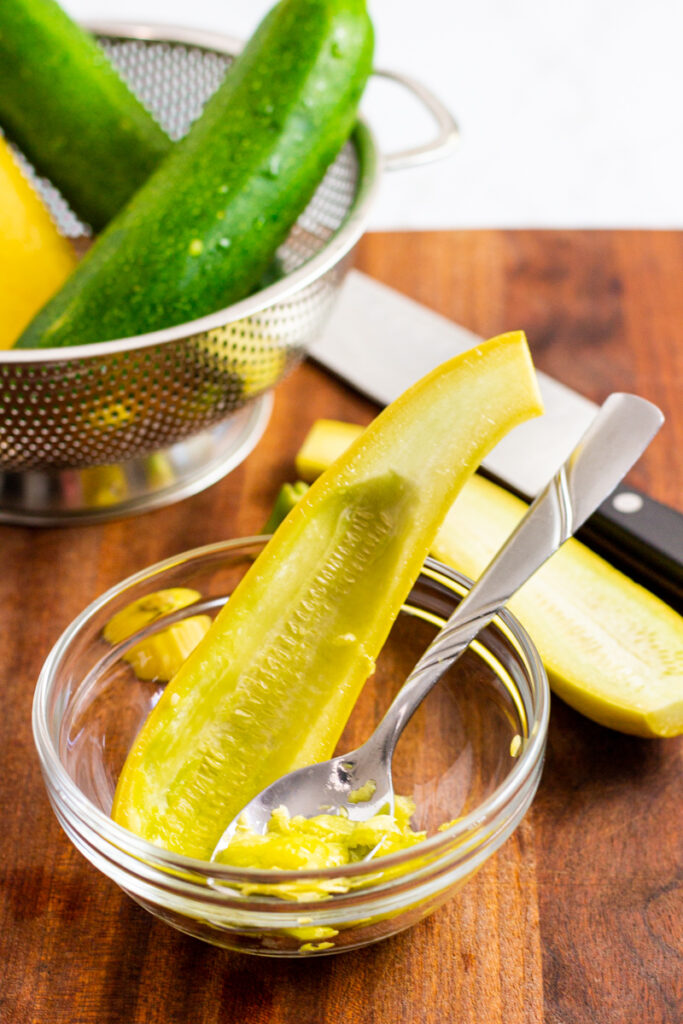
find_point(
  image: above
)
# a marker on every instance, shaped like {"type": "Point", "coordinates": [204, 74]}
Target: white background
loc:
{"type": "Point", "coordinates": [571, 111]}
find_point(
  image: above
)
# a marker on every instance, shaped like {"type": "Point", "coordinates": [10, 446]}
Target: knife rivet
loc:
{"type": "Point", "coordinates": [627, 501]}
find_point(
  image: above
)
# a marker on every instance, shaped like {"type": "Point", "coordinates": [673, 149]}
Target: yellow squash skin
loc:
{"type": "Point", "coordinates": [274, 680]}
{"type": "Point", "coordinates": [612, 649]}
{"type": "Point", "coordinates": [34, 258]}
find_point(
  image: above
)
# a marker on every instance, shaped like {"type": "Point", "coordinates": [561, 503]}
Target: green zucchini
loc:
{"type": "Point", "coordinates": [202, 231]}
{"type": "Point", "coordinates": [66, 108]}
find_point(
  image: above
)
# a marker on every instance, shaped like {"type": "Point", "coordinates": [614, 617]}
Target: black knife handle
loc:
{"type": "Point", "coordinates": [642, 538]}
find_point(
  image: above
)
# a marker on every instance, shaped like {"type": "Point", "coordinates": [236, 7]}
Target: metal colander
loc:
{"type": "Point", "coordinates": [96, 431]}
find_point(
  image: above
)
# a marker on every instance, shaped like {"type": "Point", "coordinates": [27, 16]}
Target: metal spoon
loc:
{"type": "Point", "coordinates": [618, 435]}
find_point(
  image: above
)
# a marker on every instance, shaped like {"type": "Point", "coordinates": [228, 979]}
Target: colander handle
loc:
{"type": "Point", "coordinates": [446, 138]}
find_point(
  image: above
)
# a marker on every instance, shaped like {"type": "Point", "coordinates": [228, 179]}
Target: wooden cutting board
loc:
{"type": "Point", "coordinates": [578, 918]}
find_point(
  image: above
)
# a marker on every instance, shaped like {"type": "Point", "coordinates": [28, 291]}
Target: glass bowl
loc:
{"type": "Point", "coordinates": [471, 758]}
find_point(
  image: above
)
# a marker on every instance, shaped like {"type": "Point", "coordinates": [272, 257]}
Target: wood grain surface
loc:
{"type": "Point", "coordinates": [577, 919]}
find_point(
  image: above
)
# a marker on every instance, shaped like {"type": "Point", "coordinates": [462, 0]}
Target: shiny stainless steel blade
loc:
{"type": "Point", "coordinates": [382, 342]}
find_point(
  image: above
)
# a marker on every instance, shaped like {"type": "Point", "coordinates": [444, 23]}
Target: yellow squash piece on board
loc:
{"type": "Point", "coordinates": [34, 258]}
{"type": "Point", "coordinates": [612, 649]}
{"type": "Point", "coordinates": [325, 441]}
{"type": "Point", "coordinates": [272, 683]}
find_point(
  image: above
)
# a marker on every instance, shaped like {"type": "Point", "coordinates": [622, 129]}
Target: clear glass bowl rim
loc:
{"type": "Point", "coordinates": [73, 800]}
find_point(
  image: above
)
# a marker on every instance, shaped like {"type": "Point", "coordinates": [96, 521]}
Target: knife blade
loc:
{"type": "Point", "coordinates": [381, 342]}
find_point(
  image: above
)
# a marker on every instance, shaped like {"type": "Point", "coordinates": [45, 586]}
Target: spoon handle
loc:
{"type": "Point", "coordinates": [615, 439]}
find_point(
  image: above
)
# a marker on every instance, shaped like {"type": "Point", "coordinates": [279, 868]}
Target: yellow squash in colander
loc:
{"type": "Point", "coordinates": [34, 258]}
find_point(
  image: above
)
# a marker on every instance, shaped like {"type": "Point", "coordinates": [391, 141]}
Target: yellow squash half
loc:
{"type": "Point", "coordinates": [272, 683]}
